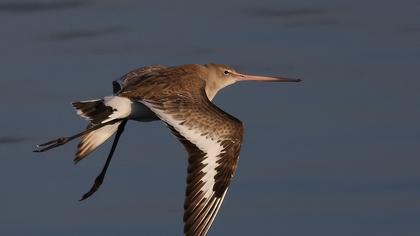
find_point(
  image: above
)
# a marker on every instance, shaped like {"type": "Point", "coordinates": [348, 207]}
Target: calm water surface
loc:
{"type": "Point", "coordinates": [335, 155]}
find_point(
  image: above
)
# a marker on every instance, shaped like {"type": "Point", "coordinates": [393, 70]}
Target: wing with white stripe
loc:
{"type": "Point", "coordinates": [213, 139]}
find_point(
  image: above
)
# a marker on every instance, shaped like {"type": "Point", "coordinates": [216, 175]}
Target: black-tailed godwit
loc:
{"type": "Point", "coordinates": [180, 96]}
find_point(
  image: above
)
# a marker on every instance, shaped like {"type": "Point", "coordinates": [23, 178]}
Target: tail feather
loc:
{"type": "Point", "coordinates": [91, 141]}
{"type": "Point", "coordinates": [97, 112]}
{"type": "Point", "coordinates": [103, 110]}
{"type": "Point", "coordinates": [93, 110]}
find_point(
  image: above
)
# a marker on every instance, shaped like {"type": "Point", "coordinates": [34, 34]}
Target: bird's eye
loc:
{"type": "Point", "coordinates": [226, 72]}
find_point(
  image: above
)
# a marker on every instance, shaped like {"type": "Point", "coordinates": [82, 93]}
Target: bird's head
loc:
{"type": "Point", "coordinates": [221, 76]}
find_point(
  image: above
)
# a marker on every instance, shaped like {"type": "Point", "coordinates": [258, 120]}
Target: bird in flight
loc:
{"type": "Point", "coordinates": [180, 96]}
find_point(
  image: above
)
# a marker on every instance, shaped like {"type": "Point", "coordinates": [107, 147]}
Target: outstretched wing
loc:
{"type": "Point", "coordinates": [213, 140]}
{"type": "Point", "coordinates": [92, 140]}
{"type": "Point", "coordinates": [135, 75]}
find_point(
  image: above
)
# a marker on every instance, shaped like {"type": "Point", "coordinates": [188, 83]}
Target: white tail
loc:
{"type": "Point", "coordinates": [97, 112]}
{"type": "Point", "coordinates": [103, 110]}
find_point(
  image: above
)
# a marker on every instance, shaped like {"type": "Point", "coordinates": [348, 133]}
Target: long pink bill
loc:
{"type": "Point", "coordinates": [242, 77]}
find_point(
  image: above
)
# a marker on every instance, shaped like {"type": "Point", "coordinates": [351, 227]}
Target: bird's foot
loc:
{"type": "Point", "coordinates": [98, 182]}
{"type": "Point", "coordinates": [51, 144]}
